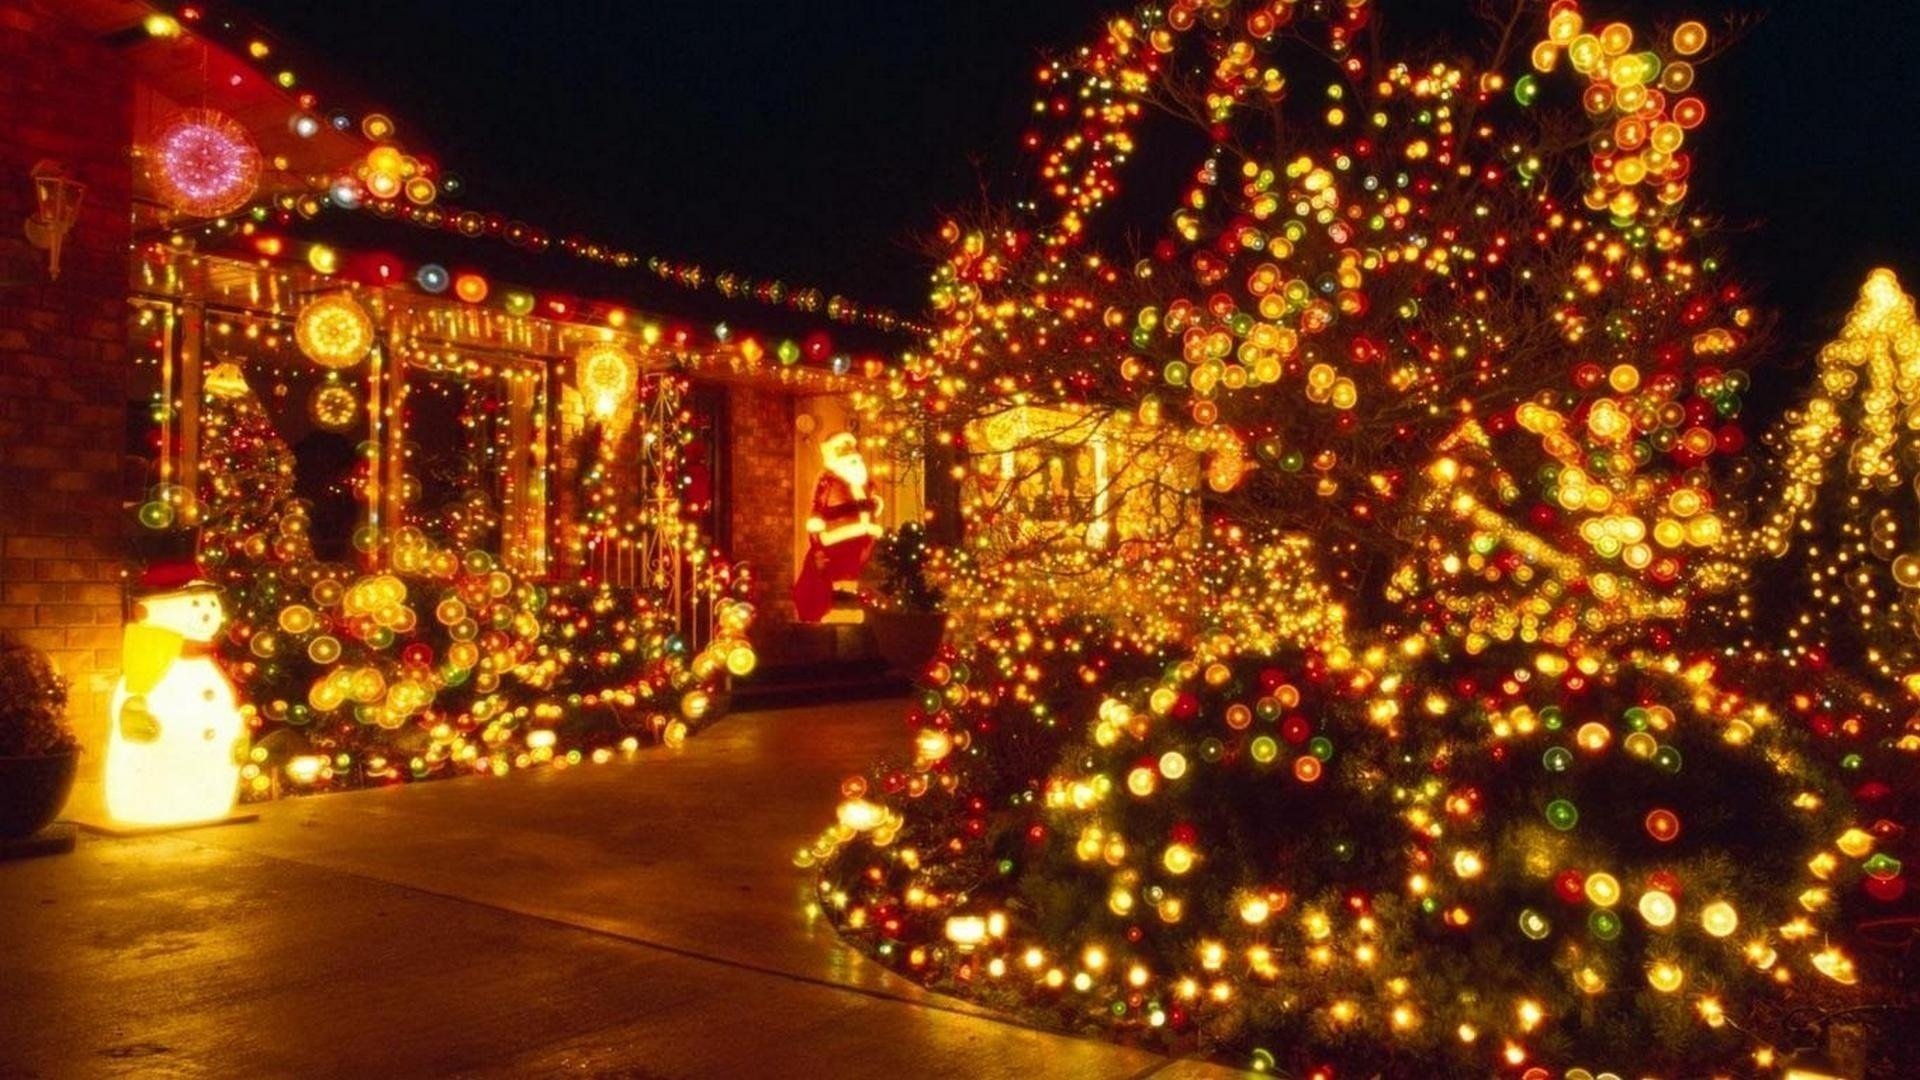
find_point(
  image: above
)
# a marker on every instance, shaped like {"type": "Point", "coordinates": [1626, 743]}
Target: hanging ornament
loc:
{"type": "Point", "coordinates": [205, 164]}
{"type": "Point", "coordinates": [334, 331]}
{"type": "Point", "coordinates": [607, 376]}
{"type": "Point", "coordinates": [333, 406]}
{"type": "Point", "coordinates": [226, 381]}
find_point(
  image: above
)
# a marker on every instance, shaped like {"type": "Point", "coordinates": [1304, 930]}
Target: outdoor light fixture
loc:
{"type": "Point", "coordinates": [607, 376]}
{"type": "Point", "coordinates": [56, 207]}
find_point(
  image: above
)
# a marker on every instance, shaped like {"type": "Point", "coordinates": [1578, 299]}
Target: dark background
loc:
{"type": "Point", "coordinates": [815, 141]}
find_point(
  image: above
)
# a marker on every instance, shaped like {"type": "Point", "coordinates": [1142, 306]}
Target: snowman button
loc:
{"type": "Point", "coordinates": [207, 734]}
{"type": "Point", "coordinates": [207, 694]}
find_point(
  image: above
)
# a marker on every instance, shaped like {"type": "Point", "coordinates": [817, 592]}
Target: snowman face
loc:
{"type": "Point", "coordinates": [195, 615]}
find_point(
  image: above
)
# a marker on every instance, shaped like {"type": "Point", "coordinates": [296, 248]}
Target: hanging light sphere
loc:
{"type": "Point", "coordinates": [334, 407]}
{"type": "Point", "coordinates": [205, 164]}
{"type": "Point", "coordinates": [334, 331]}
{"type": "Point", "coordinates": [606, 375]}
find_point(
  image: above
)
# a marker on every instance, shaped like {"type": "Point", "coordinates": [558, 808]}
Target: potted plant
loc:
{"type": "Point", "coordinates": [38, 751]}
{"type": "Point", "coordinates": [907, 622]}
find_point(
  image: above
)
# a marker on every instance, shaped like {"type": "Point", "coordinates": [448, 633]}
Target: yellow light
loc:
{"type": "Point", "coordinates": [1856, 843]}
{"type": "Point", "coordinates": [1665, 976]}
{"type": "Point", "coordinates": [1835, 965]}
{"type": "Point", "coordinates": [1141, 781]}
{"type": "Point", "coordinates": [606, 375]}
{"type": "Point", "coordinates": [933, 745]}
{"type": "Point", "coordinates": [1212, 955]}
{"type": "Point", "coordinates": [1719, 919]}
{"type": "Point", "coordinates": [1658, 908]}
{"type": "Point", "coordinates": [1179, 859]}
{"type": "Point", "coordinates": [1467, 865]}
{"type": "Point", "coordinates": [861, 815]}
{"type": "Point", "coordinates": [470, 287]}
{"type": "Point", "coordinates": [966, 931]}
{"type": "Point", "coordinates": [1689, 38]}
{"type": "Point", "coordinates": [161, 25]}
{"type": "Point", "coordinates": [306, 768]}
{"type": "Point", "coordinates": [334, 331]}
{"type": "Point", "coordinates": [1603, 890]}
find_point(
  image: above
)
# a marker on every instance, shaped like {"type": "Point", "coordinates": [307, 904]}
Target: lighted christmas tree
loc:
{"type": "Point", "coordinates": [1449, 784]}
{"type": "Point", "coordinates": [441, 661]}
{"type": "Point", "coordinates": [1813, 597]}
{"type": "Point", "coordinates": [255, 474]}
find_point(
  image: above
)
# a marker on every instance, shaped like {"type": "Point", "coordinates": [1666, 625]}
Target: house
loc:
{"type": "Point", "coordinates": [481, 495]}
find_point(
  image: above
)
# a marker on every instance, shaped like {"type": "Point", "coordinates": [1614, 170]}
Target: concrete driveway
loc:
{"type": "Point", "coordinates": [632, 920]}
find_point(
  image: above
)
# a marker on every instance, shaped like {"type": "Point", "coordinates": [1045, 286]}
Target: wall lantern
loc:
{"type": "Point", "coordinates": [56, 198]}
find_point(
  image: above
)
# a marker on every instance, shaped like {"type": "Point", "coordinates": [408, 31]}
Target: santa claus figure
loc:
{"type": "Point", "coordinates": [176, 740]}
{"type": "Point", "coordinates": [841, 529]}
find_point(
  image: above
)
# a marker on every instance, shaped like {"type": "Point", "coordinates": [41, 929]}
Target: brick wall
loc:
{"type": "Point", "coordinates": [63, 356]}
{"type": "Point", "coordinates": [761, 499]}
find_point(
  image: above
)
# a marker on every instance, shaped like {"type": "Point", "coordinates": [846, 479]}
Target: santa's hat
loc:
{"type": "Point", "coordinates": [172, 576]}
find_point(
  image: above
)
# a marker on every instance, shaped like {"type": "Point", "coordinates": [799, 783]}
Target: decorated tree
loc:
{"type": "Point", "coordinates": [256, 474]}
{"type": "Point", "coordinates": [1338, 699]}
{"type": "Point", "coordinates": [1813, 597]}
{"type": "Point", "coordinates": [442, 661]}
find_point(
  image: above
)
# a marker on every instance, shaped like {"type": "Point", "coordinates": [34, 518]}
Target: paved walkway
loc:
{"type": "Point", "coordinates": [636, 920]}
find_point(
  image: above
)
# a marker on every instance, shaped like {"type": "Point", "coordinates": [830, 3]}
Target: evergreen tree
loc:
{"type": "Point", "coordinates": [1453, 781]}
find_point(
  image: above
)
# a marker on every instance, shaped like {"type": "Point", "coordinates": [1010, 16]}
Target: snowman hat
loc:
{"type": "Point", "coordinates": [172, 576]}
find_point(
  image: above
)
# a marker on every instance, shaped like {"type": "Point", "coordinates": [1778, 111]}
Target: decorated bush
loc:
{"type": "Point", "coordinates": [1383, 650]}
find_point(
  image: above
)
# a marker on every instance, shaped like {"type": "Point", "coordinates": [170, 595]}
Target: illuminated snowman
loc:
{"type": "Point", "coordinates": [177, 740]}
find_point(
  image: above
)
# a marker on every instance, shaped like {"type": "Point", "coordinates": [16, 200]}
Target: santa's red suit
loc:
{"type": "Point", "coordinates": [841, 532]}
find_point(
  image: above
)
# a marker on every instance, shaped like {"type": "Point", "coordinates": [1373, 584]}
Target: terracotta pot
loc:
{"type": "Point", "coordinates": [33, 791]}
{"type": "Point", "coordinates": [907, 640]}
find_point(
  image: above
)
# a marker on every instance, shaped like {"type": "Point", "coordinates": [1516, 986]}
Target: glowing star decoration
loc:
{"type": "Point", "coordinates": [334, 331]}
{"type": "Point", "coordinates": [205, 164]}
{"type": "Point", "coordinates": [176, 740]}
{"type": "Point", "coordinates": [606, 375]}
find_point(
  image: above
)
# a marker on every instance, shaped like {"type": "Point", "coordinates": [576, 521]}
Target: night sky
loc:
{"type": "Point", "coordinates": [816, 141]}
